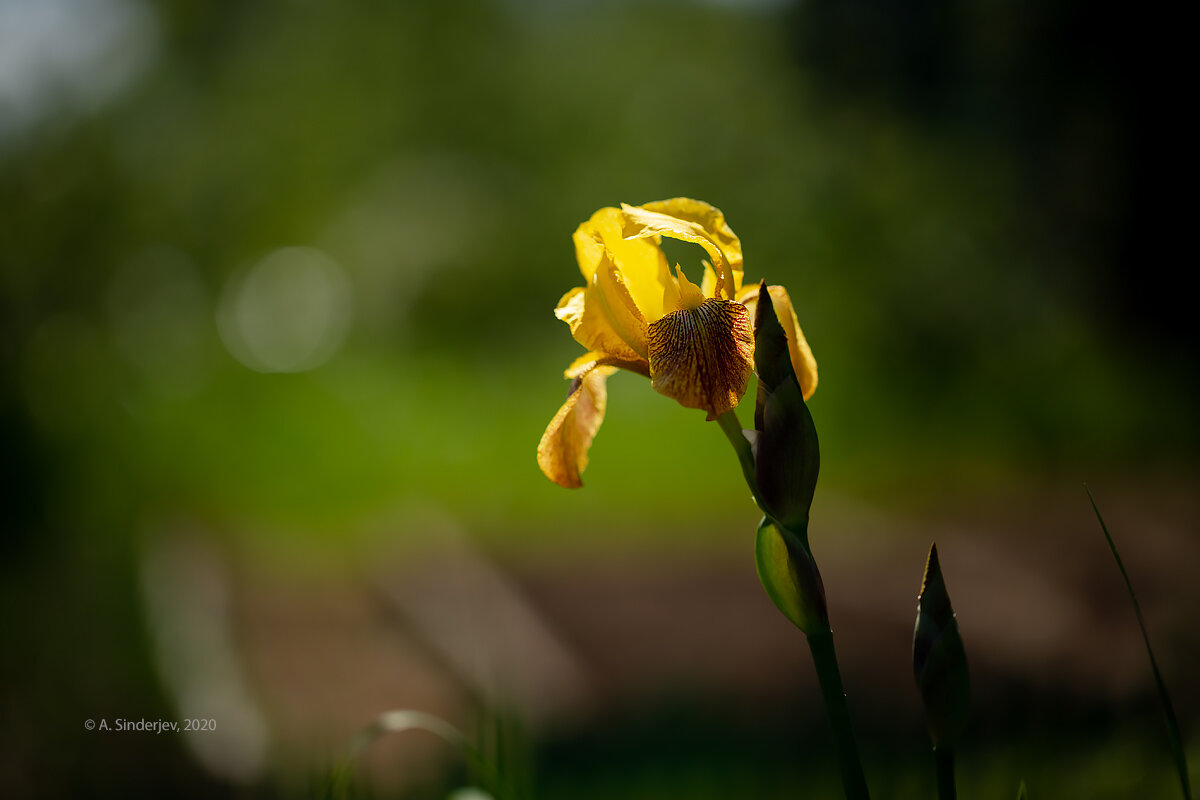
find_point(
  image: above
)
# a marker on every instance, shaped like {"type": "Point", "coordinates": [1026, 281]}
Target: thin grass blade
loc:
{"type": "Point", "coordinates": [1174, 738]}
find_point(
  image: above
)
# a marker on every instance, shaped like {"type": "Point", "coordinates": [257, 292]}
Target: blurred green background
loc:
{"type": "Point", "coordinates": [276, 292]}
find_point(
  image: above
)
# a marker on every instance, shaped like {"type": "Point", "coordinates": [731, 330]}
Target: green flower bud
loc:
{"type": "Point", "coordinates": [787, 455]}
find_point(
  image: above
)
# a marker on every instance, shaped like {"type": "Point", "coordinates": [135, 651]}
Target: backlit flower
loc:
{"type": "Point", "coordinates": [695, 343]}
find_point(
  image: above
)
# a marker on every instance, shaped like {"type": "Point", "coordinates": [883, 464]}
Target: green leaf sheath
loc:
{"type": "Point", "coordinates": [790, 577]}
{"type": "Point", "coordinates": [788, 457]}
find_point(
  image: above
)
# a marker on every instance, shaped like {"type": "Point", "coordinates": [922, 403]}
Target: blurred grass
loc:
{"type": "Point", "coordinates": [683, 747]}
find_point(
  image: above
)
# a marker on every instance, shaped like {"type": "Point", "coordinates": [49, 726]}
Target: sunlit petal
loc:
{"type": "Point", "coordinates": [703, 357]}
{"type": "Point", "coordinates": [563, 451]}
{"type": "Point", "coordinates": [604, 317]}
{"type": "Point", "coordinates": [691, 221]}
{"type": "Point", "coordinates": [641, 262]}
{"type": "Point", "coordinates": [801, 354]}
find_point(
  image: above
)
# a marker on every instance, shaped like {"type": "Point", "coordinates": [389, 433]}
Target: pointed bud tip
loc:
{"type": "Point", "coordinates": [934, 599]}
{"type": "Point", "coordinates": [932, 568]}
{"type": "Point", "coordinates": [939, 659]}
{"type": "Point", "coordinates": [771, 355]}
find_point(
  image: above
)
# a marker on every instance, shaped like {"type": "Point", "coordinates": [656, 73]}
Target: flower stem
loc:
{"type": "Point", "coordinates": [854, 783]}
{"type": "Point", "coordinates": [943, 758]}
{"type": "Point", "coordinates": [820, 641]}
{"type": "Point", "coordinates": [732, 429]}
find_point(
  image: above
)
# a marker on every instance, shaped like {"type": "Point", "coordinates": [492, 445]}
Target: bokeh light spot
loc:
{"type": "Point", "coordinates": [288, 313]}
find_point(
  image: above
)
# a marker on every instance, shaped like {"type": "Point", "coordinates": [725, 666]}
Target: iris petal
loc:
{"type": "Point", "coordinates": [563, 451]}
{"type": "Point", "coordinates": [691, 221]}
{"type": "Point", "coordinates": [703, 357]}
{"type": "Point", "coordinates": [603, 316]}
{"type": "Point", "coordinates": [641, 262]}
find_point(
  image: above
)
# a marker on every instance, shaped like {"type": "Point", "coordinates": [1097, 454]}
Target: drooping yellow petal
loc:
{"type": "Point", "coordinates": [603, 315]}
{"type": "Point", "coordinates": [641, 262]}
{"type": "Point", "coordinates": [801, 354]}
{"type": "Point", "coordinates": [703, 357]}
{"type": "Point", "coordinates": [563, 451]}
{"type": "Point", "coordinates": [691, 221]}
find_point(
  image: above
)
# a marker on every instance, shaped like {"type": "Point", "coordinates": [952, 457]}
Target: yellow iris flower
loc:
{"type": "Point", "coordinates": [694, 343]}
